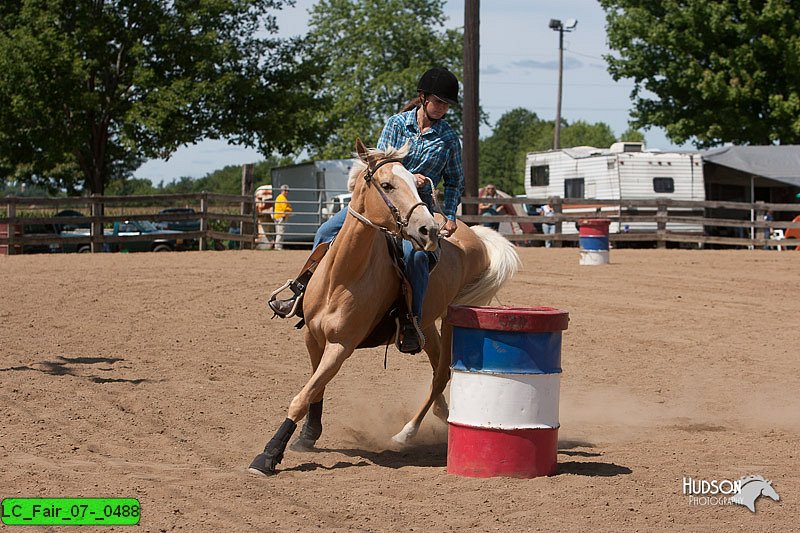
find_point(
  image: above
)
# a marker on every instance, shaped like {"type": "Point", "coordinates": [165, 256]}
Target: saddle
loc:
{"type": "Point", "coordinates": [388, 328]}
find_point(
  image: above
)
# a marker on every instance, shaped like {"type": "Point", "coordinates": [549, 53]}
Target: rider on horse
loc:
{"type": "Point", "coordinates": [434, 156]}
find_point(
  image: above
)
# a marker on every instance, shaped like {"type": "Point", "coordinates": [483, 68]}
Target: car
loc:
{"type": "Point", "coordinates": [159, 240]}
{"type": "Point", "coordinates": [189, 224]}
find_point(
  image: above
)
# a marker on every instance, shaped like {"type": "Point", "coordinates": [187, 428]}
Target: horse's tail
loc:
{"type": "Point", "coordinates": [504, 262]}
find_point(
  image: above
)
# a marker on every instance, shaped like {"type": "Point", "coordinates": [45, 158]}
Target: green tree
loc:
{"type": "Point", "coordinates": [374, 52]}
{"type": "Point", "coordinates": [90, 88]}
{"type": "Point", "coordinates": [502, 154]}
{"type": "Point", "coordinates": [632, 135]}
{"type": "Point", "coordinates": [710, 72]}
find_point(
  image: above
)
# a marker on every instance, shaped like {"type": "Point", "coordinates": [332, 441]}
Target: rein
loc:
{"type": "Point", "coordinates": [399, 220]}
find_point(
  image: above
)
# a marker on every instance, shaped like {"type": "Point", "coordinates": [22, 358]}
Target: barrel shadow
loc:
{"type": "Point", "coordinates": [592, 469]}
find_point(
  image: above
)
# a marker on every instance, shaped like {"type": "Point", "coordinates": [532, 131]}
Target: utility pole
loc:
{"type": "Point", "coordinates": [469, 156]}
{"type": "Point", "coordinates": [556, 25]}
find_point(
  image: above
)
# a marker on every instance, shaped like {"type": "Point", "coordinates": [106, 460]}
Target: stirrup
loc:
{"type": "Point", "coordinates": [412, 321]}
{"type": "Point", "coordinates": [297, 289]}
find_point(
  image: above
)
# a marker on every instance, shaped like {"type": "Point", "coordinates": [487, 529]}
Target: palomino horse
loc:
{"type": "Point", "coordinates": [356, 283]}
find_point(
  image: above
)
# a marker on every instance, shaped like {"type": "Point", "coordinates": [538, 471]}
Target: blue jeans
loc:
{"type": "Point", "coordinates": [418, 263]}
{"type": "Point", "coordinates": [330, 228]}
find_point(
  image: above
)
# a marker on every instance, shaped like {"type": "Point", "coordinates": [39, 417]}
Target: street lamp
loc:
{"type": "Point", "coordinates": [556, 25]}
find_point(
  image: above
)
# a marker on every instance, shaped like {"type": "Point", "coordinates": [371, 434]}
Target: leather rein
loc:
{"type": "Point", "coordinates": [400, 222]}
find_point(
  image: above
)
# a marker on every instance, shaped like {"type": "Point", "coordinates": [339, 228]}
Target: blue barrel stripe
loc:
{"type": "Point", "coordinates": [488, 351]}
{"type": "Point", "coordinates": [594, 244]}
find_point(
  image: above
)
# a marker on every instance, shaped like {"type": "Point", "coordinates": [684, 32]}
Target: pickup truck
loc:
{"type": "Point", "coordinates": [163, 241]}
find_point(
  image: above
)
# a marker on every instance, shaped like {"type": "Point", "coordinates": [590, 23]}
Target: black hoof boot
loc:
{"type": "Point", "coordinates": [312, 430]}
{"type": "Point", "coordinates": [265, 463]}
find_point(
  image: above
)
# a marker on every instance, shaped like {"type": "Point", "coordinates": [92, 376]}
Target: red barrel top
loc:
{"type": "Point", "coordinates": [593, 227]}
{"type": "Point", "coordinates": [528, 319]}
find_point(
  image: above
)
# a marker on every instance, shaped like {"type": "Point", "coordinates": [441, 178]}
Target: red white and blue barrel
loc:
{"type": "Point", "coordinates": [504, 390]}
{"type": "Point", "coordinates": [594, 241]}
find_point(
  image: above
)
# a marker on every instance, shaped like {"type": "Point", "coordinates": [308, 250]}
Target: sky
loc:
{"type": "Point", "coordinates": [518, 68]}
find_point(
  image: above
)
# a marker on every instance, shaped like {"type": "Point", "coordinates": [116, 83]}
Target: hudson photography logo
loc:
{"type": "Point", "coordinates": [744, 491]}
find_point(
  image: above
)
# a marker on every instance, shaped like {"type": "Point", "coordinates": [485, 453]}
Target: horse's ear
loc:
{"type": "Point", "coordinates": [361, 150]}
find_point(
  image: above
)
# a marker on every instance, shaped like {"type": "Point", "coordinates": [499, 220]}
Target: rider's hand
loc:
{"type": "Point", "coordinates": [421, 180]}
{"type": "Point", "coordinates": [448, 229]}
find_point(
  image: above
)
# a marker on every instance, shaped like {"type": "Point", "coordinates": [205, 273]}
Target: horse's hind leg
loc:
{"type": "Point", "coordinates": [441, 369]}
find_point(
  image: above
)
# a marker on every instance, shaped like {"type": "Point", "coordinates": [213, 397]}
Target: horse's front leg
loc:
{"type": "Point", "coordinates": [312, 428]}
{"type": "Point", "coordinates": [266, 462]}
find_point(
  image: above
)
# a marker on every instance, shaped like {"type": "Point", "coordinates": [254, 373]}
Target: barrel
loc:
{"type": "Point", "coordinates": [504, 390]}
{"type": "Point", "coordinates": [594, 241]}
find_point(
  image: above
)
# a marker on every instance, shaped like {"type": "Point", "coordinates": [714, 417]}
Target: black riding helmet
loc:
{"type": "Point", "coordinates": [441, 83]}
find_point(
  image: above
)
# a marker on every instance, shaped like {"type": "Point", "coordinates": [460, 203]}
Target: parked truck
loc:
{"type": "Point", "coordinates": [625, 171]}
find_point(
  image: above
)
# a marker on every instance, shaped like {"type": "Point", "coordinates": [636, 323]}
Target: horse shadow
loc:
{"type": "Point", "coordinates": [423, 455]}
{"type": "Point", "coordinates": [66, 366]}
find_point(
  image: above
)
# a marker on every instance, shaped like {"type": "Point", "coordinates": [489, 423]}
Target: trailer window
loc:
{"type": "Point", "coordinates": [573, 188]}
{"type": "Point", "coordinates": [663, 185]}
{"type": "Point", "coordinates": [540, 175]}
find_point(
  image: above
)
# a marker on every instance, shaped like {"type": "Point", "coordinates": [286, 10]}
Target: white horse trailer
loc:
{"type": "Point", "coordinates": [626, 171]}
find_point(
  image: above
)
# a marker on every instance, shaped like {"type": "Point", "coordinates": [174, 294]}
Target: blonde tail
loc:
{"type": "Point", "coordinates": [504, 262]}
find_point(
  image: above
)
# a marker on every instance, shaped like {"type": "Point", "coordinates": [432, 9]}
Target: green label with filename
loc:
{"type": "Point", "coordinates": [70, 511]}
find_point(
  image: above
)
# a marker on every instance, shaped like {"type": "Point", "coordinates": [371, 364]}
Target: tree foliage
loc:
{"type": "Point", "coordinates": [374, 52]}
{"type": "Point", "coordinates": [227, 180]}
{"type": "Point", "coordinates": [519, 131]}
{"type": "Point", "coordinates": [710, 72]}
{"type": "Point", "coordinates": [90, 88]}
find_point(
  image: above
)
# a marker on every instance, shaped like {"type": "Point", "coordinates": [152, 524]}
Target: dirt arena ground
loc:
{"type": "Point", "coordinates": [160, 376]}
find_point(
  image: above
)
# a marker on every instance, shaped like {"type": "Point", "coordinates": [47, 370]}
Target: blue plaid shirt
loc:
{"type": "Point", "coordinates": [435, 154]}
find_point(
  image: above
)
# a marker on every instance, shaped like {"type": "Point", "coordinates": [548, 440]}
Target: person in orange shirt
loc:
{"type": "Point", "coordinates": [281, 213]}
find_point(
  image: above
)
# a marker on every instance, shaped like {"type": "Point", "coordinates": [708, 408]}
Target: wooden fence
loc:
{"type": "Point", "coordinates": [652, 220]}
{"type": "Point", "coordinates": [213, 210]}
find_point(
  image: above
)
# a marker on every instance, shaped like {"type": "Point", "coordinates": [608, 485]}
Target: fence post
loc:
{"type": "Point", "coordinates": [661, 221]}
{"type": "Point", "coordinates": [203, 219]}
{"type": "Point", "coordinates": [556, 204]}
{"type": "Point", "coordinates": [246, 228]}
{"type": "Point", "coordinates": [12, 226]}
{"type": "Point", "coordinates": [97, 225]}
{"type": "Point", "coordinates": [757, 234]}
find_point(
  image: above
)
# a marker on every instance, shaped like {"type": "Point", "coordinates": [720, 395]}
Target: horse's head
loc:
{"type": "Point", "coordinates": [385, 195]}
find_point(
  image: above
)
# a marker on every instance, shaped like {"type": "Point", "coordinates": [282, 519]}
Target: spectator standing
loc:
{"type": "Point", "coordinates": [266, 224]}
{"type": "Point", "coordinates": [548, 228]}
{"type": "Point", "coordinates": [282, 211]}
{"type": "Point", "coordinates": [490, 208]}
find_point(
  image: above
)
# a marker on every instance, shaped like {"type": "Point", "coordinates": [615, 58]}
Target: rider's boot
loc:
{"type": "Point", "coordinates": [411, 339]}
{"type": "Point", "coordinates": [294, 304]}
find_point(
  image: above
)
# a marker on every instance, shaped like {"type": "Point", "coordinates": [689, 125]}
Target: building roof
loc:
{"type": "Point", "coordinates": [779, 163]}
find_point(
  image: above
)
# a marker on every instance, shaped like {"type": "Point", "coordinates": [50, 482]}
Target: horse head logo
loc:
{"type": "Point", "coordinates": [752, 488]}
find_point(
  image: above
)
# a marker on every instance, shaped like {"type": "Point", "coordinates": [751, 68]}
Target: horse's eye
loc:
{"type": "Point", "coordinates": [386, 186]}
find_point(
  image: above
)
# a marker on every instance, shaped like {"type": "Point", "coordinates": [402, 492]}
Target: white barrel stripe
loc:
{"type": "Point", "coordinates": [594, 258]}
{"type": "Point", "coordinates": [504, 401]}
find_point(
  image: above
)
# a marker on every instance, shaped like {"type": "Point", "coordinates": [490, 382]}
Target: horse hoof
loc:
{"type": "Point", "coordinates": [302, 445]}
{"type": "Point", "coordinates": [262, 465]}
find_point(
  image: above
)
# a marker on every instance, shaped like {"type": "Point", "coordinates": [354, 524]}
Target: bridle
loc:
{"type": "Point", "coordinates": [400, 222]}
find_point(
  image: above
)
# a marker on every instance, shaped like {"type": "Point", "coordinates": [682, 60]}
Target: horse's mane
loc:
{"type": "Point", "coordinates": [377, 155]}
